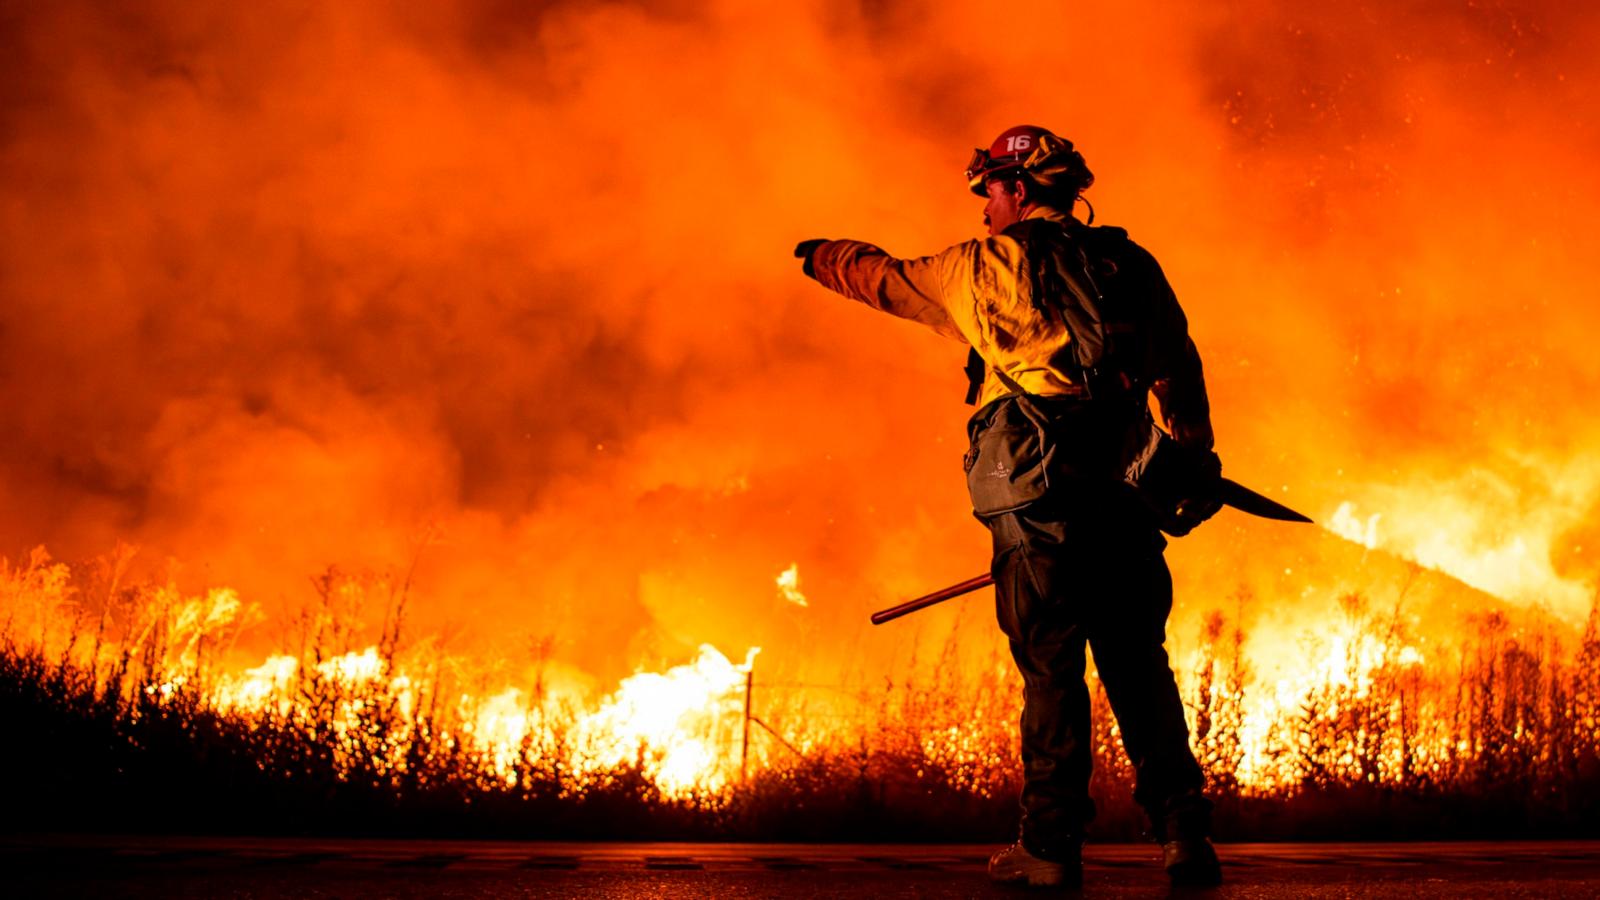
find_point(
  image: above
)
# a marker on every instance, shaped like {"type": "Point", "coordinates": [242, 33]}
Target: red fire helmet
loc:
{"type": "Point", "coordinates": [1009, 151]}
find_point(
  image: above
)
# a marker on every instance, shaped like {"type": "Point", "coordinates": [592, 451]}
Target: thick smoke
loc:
{"type": "Point", "coordinates": [505, 290]}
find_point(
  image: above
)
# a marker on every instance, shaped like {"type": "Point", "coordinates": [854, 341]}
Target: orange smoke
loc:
{"type": "Point", "coordinates": [497, 299]}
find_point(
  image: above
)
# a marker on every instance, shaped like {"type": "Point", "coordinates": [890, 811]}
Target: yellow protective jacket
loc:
{"type": "Point", "coordinates": [979, 292]}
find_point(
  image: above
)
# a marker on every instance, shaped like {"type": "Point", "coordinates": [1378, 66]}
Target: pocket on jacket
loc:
{"type": "Point", "coordinates": [1008, 460]}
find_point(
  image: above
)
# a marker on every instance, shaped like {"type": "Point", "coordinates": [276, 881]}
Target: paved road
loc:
{"type": "Point", "coordinates": [82, 866]}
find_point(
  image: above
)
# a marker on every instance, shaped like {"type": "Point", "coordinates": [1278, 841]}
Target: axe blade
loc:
{"type": "Point", "coordinates": [1245, 500]}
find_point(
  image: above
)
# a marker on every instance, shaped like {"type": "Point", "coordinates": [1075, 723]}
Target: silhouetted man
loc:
{"type": "Point", "coordinates": [1070, 328]}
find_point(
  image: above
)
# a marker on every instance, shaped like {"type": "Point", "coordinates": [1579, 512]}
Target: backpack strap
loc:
{"type": "Point", "coordinates": [974, 370]}
{"type": "Point", "coordinates": [1072, 294]}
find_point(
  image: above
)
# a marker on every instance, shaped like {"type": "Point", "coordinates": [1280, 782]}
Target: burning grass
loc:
{"type": "Point", "coordinates": [123, 714]}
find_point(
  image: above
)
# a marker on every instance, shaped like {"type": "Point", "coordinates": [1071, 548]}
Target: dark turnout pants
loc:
{"type": "Point", "coordinates": [1084, 566]}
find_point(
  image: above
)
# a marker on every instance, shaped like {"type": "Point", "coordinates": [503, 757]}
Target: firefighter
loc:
{"type": "Point", "coordinates": [1077, 554]}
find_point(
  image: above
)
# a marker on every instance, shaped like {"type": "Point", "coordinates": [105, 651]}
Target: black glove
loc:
{"type": "Point", "coordinates": [1203, 498]}
{"type": "Point", "coordinates": [805, 250]}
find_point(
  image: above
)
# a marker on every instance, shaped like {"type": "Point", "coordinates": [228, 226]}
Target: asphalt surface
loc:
{"type": "Point", "coordinates": [99, 866]}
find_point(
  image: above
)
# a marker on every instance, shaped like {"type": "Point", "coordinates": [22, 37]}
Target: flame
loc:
{"type": "Point", "coordinates": [1484, 533]}
{"type": "Point", "coordinates": [789, 585]}
{"type": "Point", "coordinates": [353, 669]}
{"type": "Point", "coordinates": [678, 723]}
{"type": "Point", "coordinates": [256, 688]}
{"type": "Point", "coordinates": [683, 716]}
{"type": "Point", "coordinates": [1344, 664]}
{"type": "Point", "coordinates": [1364, 700]}
{"type": "Point", "coordinates": [1347, 525]}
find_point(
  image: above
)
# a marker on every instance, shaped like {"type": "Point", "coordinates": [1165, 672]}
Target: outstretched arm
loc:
{"type": "Point", "coordinates": [909, 288]}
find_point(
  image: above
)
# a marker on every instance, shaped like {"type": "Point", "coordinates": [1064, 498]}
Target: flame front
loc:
{"type": "Point", "coordinates": [1365, 701]}
{"type": "Point", "coordinates": [681, 721]}
{"type": "Point", "coordinates": [676, 726]}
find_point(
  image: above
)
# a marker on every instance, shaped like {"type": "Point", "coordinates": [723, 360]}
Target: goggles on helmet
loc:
{"type": "Point", "coordinates": [983, 164]}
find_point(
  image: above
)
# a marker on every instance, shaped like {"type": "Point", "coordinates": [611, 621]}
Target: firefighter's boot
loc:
{"type": "Point", "coordinates": [1192, 862]}
{"type": "Point", "coordinates": [1015, 865]}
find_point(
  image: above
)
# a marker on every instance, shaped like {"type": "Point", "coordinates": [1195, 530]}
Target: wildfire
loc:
{"type": "Point", "coordinates": [255, 689]}
{"type": "Point", "coordinates": [1364, 701]}
{"type": "Point", "coordinates": [259, 313]}
{"type": "Point", "coordinates": [1344, 666]}
{"type": "Point", "coordinates": [1347, 525]}
{"type": "Point", "coordinates": [677, 724]}
{"type": "Point", "coordinates": [685, 728]}
{"type": "Point", "coordinates": [683, 718]}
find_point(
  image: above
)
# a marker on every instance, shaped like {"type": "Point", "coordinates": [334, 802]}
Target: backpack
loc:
{"type": "Point", "coordinates": [1098, 283]}
{"type": "Point", "coordinates": [1123, 320]}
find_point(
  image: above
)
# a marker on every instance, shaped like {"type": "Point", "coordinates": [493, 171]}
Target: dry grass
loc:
{"type": "Point", "coordinates": [122, 718]}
